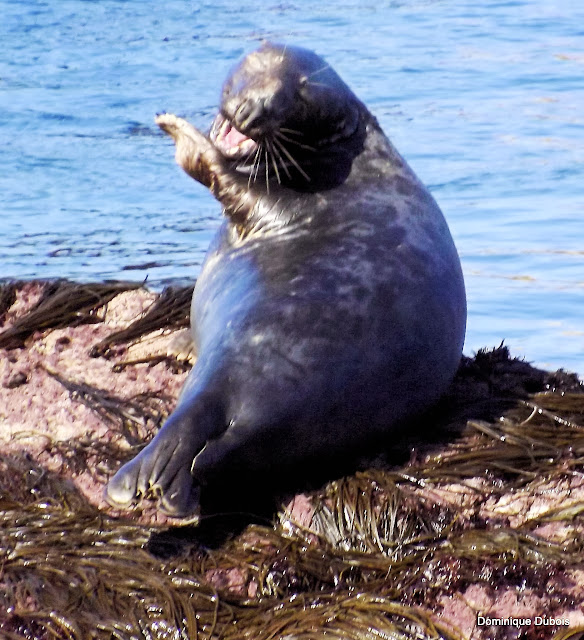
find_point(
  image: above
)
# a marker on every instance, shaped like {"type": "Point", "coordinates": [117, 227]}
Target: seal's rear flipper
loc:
{"type": "Point", "coordinates": [163, 468]}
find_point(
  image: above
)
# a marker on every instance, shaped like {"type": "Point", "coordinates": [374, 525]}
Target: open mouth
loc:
{"type": "Point", "coordinates": [231, 142]}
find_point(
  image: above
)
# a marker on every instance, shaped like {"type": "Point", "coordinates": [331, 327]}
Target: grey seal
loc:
{"type": "Point", "coordinates": [330, 309]}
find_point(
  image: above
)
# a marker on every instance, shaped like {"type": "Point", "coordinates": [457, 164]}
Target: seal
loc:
{"type": "Point", "coordinates": [330, 309]}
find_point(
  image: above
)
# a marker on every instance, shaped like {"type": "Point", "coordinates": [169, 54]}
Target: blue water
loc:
{"type": "Point", "coordinates": [485, 99]}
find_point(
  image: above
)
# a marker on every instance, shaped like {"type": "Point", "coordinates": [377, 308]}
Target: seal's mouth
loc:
{"type": "Point", "coordinates": [230, 142]}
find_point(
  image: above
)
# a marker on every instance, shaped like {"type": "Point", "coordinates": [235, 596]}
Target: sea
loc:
{"type": "Point", "coordinates": [484, 98]}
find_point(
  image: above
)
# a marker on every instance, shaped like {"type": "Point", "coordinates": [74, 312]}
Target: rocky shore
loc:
{"type": "Point", "coordinates": [474, 530]}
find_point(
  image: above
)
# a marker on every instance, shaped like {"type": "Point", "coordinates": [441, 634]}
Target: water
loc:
{"type": "Point", "coordinates": [484, 99]}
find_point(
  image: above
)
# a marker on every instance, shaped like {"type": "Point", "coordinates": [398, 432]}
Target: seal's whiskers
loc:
{"type": "Point", "coordinates": [270, 148]}
{"type": "Point", "coordinates": [298, 144]}
{"type": "Point", "coordinates": [325, 68]}
{"type": "Point", "coordinates": [278, 157]}
{"type": "Point", "coordinates": [293, 132]}
{"type": "Point", "coordinates": [246, 159]}
{"type": "Point", "coordinates": [267, 166]}
{"type": "Point", "coordinates": [285, 151]}
{"type": "Point", "coordinates": [253, 174]}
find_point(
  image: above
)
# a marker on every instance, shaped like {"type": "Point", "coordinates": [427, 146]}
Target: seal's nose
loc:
{"type": "Point", "coordinates": [251, 113]}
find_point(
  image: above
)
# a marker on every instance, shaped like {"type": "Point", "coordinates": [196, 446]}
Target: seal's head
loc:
{"type": "Point", "coordinates": [285, 114]}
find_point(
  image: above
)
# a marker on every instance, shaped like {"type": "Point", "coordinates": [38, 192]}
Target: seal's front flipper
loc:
{"type": "Point", "coordinates": [204, 162]}
{"type": "Point", "coordinates": [191, 146]}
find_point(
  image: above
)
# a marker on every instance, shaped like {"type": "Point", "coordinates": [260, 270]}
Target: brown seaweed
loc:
{"type": "Point", "coordinates": [170, 311]}
{"type": "Point", "coordinates": [63, 304]}
{"type": "Point", "coordinates": [7, 298]}
{"type": "Point", "coordinates": [135, 419]}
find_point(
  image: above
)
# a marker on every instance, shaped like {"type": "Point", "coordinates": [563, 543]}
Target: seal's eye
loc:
{"type": "Point", "coordinates": [302, 90]}
{"type": "Point", "coordinates": [227, 91]}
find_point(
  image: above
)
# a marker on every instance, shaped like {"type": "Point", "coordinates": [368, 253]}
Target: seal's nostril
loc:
{"type": "Point", "coordinates": [249, 113]}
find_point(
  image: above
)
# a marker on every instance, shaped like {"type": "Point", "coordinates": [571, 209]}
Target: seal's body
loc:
{"type": "Point", "coordinates": [331, 305]}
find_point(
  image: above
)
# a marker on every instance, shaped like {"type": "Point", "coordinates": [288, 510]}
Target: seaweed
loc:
{"type": "Point", "coordinates": [7, 298]}
{"type": "Point", "coordinates": [171, 311]}
{"type": "Point", "coordinates": [63, 304]}
{"type": "Point", "coordinates": [134, 419]}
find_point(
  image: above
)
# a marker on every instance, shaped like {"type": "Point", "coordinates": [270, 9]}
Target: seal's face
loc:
{"type": "Point", "coordinates": [281, 109]}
